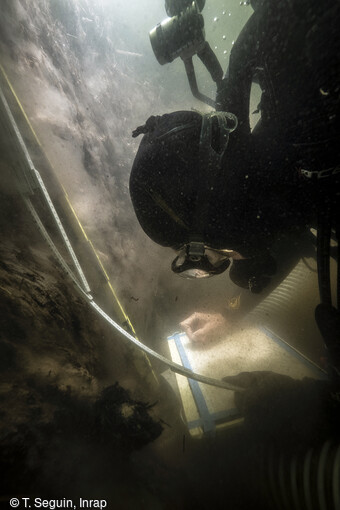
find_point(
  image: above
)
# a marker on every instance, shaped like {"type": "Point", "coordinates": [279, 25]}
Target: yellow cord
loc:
{"type": "Point", "coordinates": [126, 318]}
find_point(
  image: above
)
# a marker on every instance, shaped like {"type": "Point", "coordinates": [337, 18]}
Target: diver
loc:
{"type": "Point", "coordinates": [215, 191]}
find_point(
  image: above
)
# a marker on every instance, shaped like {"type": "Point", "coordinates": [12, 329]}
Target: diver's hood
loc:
{"type": "Point", "coordinates": [167, 182]}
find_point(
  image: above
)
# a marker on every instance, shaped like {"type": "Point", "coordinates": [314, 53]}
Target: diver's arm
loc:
{"type": "Point", "coordinates": [289, 412]}
{"type": "Point", "coordinates": [212, 325]}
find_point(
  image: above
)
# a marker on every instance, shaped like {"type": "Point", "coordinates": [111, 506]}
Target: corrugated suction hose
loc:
{"type": "Point", "coordinates": [308, 481]}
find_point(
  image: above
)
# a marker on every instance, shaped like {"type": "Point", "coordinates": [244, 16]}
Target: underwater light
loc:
{"type": "Point", "coordinates": [182, 35]}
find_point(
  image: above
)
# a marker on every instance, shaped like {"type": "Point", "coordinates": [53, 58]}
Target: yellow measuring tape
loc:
{"type": "Point", "coordinates": [142, 363]}
{"type": "Point", "coordinates": [125, 316]}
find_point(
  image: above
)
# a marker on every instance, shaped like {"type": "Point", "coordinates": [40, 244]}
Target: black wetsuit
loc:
{"type": "Point", "coordinates": [292, 49]}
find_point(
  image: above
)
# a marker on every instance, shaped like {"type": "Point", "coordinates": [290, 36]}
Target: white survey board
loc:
{"type": "Point", "coordinates": [250, 348]}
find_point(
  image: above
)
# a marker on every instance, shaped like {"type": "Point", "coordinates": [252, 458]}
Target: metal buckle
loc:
{"type": "Point", "coordinates": [196, 250]}
{"type": "Point", "coordinates": [320, 174]}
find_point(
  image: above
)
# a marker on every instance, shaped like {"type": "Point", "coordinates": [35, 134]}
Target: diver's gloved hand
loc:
{"type": "Point", "coordinates": [286, 411]}
{"type": "Point", "coordinates": [205, 327]}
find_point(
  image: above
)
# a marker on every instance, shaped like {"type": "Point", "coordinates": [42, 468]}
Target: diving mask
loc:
{"type": "Point", "coordinates": [196, 260]}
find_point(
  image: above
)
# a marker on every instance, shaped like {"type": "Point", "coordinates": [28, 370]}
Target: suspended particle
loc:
{"type": "Point", "coordinates": [229, 14]}
{"type": "Point", "coordinates": [224, 37]}
{"type": "Point", "coordinates": [232, 42]}
{"type": "Point", "coordinates": [224, 13]}
{"type": "Point", "coordinates": [216, 19]}
{"type": "Point", "coordinates": [225, 52]}
{"type": "Point", "coordinates": [215, 47]}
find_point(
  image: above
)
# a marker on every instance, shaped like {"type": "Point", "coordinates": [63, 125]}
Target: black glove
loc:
{"type": "Point", "coordinates": [289, 412]}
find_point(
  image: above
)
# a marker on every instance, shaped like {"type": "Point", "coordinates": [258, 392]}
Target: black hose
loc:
{"type": "Point", "coordinates": [337, 234]}
{"type": "Point", "coordinates": [323, 254]}
{"type": "Point", "coordinates": [189, 67]}
{"type": "Point", "coordinates": [210, 61]}
{"type": "Point", "coordinates": [326, 315]}
{"type": "Point", "coordinates": [308, 481]}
